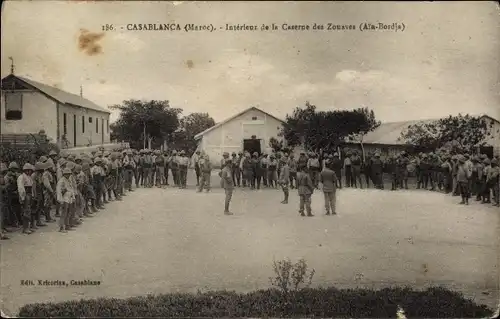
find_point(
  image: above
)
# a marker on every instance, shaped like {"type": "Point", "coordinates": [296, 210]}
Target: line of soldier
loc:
{"type": "Point", "coordinates": [79, 186]}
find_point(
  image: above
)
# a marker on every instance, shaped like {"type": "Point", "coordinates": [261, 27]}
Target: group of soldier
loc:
{"type": "Point", "coordinates": [78, 186]}
{"type": "Point", "coordinates": [461, 174]}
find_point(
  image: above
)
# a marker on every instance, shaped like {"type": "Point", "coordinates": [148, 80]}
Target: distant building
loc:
{"type": "Point", "coordinates": [386, 138]}
{"type": "Point", "coordinates": [249, 130]}
{"type": "Point", "coordinates": [28, 106]}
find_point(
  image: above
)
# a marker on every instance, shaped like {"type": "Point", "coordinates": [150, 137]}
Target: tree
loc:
{"type": "Point", "coordinates": [145, 122]}
{"type": "Point", "coordinates": [276, 145]}
{"type": "Point", "coordinates": [454, 133]}
{"type": "Point", "coordinates": [190, 125]}
{"type": "Point", "coordinates": [326, 129]}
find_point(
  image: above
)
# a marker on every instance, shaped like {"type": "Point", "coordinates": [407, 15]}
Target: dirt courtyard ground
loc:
{"type": "Point", "coordinates": [164, 240]}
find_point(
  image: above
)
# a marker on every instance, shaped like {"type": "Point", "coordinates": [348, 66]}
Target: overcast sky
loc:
{"type": "Point", "coordinates": [446, 61]}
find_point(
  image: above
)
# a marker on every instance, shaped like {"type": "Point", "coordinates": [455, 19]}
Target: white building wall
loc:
{"type": "Point", "coordinates": [229, 136]}
{"type": "Point", "coordinates": [38, 113]}
{"type": "Point", "coordinates": [86, 132]}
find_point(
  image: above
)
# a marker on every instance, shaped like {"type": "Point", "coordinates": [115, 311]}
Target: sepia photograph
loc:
{"type": "Point", "coordinates": [250, 159]}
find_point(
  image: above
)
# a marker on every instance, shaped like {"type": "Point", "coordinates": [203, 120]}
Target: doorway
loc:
{"type": "Point", "coordinates": [252, 145]}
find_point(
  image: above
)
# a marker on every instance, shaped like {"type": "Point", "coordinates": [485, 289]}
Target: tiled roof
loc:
{"type": "Point", "coordinates": [62, 96]}
{"type": "Point", "coordinates": [389, 133]}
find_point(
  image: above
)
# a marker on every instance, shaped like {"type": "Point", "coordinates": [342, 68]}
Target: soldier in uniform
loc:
{"type": "Point", "coordinates": [139, 169]}
{"type": "Point", "coordinates": [292, 165]}
{"type": "Point", "coordinates": [206, 173]}
{"type": "Point", "coordinates": [446, 170]}
{"type": "Point", "coordinates": [391, 167]}
{"type": "Point", "coordinates": [129, 167]}
{"type": "Point", "coordinates": [97, 182]}
{"type": "Point", "coordinates": [314, 167]}
{"type": "Point", "coordinates": [3, 204]}
{"type": "Point", "coordinates": [284, 178]}
{"type": "Point", "coordinates": [366, 168]}
{"type": "Point", "coordinates": [257, 171]}
{"type": "Point", "coordinates": [356, 169]}
{"type": "Point", "coordinates": [166, 156]}
{"type": "Point", "coordinates": [25, 192]}
{"type": "Point", "coordinates": [272, 168]}
{"type": "Point", "coordinates": [65, 197]}
{"type": "Point", "coordinates": [302, 161]}
{"type": "Point", "coordinates": [148, 169]}
{"type": "Point", "coordinates": [454, 171]}
{"type": "Point", "coordinates": [485, 183]}
{"type": "Point", "coordinates": [305, 189]}
{"type": "Point", "coordinates": [247, 169]}
{"type": "Point", "coordinates": [336, 163]}
{"type": "Point", "coordinates": [38, 199]}
{"type": "Point", "coordinates": [174, 166]}
{"type": "Point", "coordinates": [463, 180]}
{"type": "Point", "coordinates": [196, 165]}
{"type": "Point", "coordinates": [477, 177]}
{"type": "Point", "coordinates": [328, 179]}
{"type": "Point", "coordinates": [235, 168]}
{"type": "Point", "coordinates": [239, 175]}
{"type": "Point", "coordinates": [493, 180]}
{"type": "Point", "coordinates": [264, 163]}
{"type": "Point", "coordinates": [227, 184]}
{"type": "Point", "coordinates": [348, 169]}
{"type": "Point", "coordinates": [16, 209]}
{"type": "Point", "coordinates": [403, 170]}
{"type": "Point", "coordinates": [183, 168]}
{"type": "Point", "coordinates": [160, 169]}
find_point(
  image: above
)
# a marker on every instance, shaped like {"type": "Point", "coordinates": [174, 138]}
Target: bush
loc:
{"type": "Point", "coordinates": [320, 302]}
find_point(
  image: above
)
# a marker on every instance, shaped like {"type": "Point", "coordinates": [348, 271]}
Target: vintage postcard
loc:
{"type": "Point", "coordinates": [250, 159]}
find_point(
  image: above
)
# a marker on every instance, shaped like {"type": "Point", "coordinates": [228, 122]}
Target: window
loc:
{"type": "Point", "coordinates": [96, 125]}
{"type": "Point", "coordinates": [90, 119]}
{"type": "Point", "coordinates": [65, 124]}
{"type": "Point", "coordinates": [254, 118]}
{"type": "Point", "coordinates": [13, 106]}
{"type": "Point", "coordinates": [83, 123]}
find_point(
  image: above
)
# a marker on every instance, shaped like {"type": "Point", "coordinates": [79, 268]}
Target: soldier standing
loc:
{"type": "Point", "coordinates": [367, 166]}
{"type": "Point", "coordinates": [292, 165]}
{"type": "Point", "coordinates": [65, 197]}
{"type": "Point", "coordinates": [37, 196]}
{"type": "Point", "coordinates": [160, 169]}
{"type": "Point", "coordinates": [183, 168]}
{"type": "Point", "coordinates": [225, 156]}
{"type": "Point", "coordinates": [227, 184]}
{"type": "Point", "coordinates": [16, 210]}
{"type": "Point", "coordinates": [485, 185]}
{"type": "Point", "coordinates": [139, 169]}
{"type": "Point", "coordinates": [25, 191]}
{"type": "Point", "coordinates": [348, 169]}
{"type": "Point", "coordinates": [196, 164]}
{"type": "Point", "coordinates": [174, 166]}
{"type": "Point", "coordinates": [403, 169]}
{"type": "Point", "coordinates": [336, 163]}
{"type": "Point", "coordinates": [235, 163]}
{"type": "Point", "coordinates": [493, 180]}
{"type": "Point", "coordinates": [377, 168]}
{"type": "Point", "coordinates": [129, 166]}
{"type": "Point", "coordinates": [206, 173]}
{"type": "Point", "coordinates": [446, 170]}
{"type": "Point", "coordinates": [356, 170]}
{"type": "Point", "coordinates": [257, 171]}
{"type": "Point", "coordinates": [247, 169]}
{"type": "Point", "coordinates": [463, 180]}
{"type": "Point", "coordinates": [313, 166]}
{"type": "Point", "coordinates": [148, 169]}
{"type": "Point", "coordinates": [302, 161]}
{"type": "Point", "coordinates": [264, 163]}
{"type": "Point", "coordinates": [305, 189]}
{"type": "Point", "coordinates": [284, 178]}
{"type": "Point", "coordinates": [3, 205]}
{"type": "Point", "coordinates": [328, 179]}
{"type": "Point", "coordinates": [98, 182]}
{"type": "Point", "coordinates": [272, 176]}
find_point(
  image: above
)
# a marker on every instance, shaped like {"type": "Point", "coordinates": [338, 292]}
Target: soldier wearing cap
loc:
{"type": "Point", "coordinates": [66, 197]}
{"type": "Point", "coordinates": [454, 170]}
{"type": "Point", "coordinates": [246, 169]}
{"type": "Point", "coordinates": [425, 169]}
{"type": "Point", "coordinates": [404, 162]}
{"type": "Point", "coordinates": [16, 213]}
{"type": "Point", "coordinates": [159, 169]}
{"type": "Point", "coordinates": [264, 163]}
{"type": "Point", "coordinates": [476, 176]}
{"type": "Point", "coordinates": [292, 167]}
{"type": "Point", "coordinates": [48, 190]}
{"type": "Point", "coordinates": [183, 169]}
{"type": "Point", "coordinates": [486, 194]}
{"type": "Point", "coordinates": [348, 169]}
{"type": "Point", "coordinates": [328, 179]}
{"type": "Point", "coordinates": [257, 171]}
{"type": "Point", "coordinates": [25, 191]}
{"type": "Point", "coordinates": [74, 219]}
{"type": "Point", "coordinates": [174, 166]}
{"type": "Point", "coordinates": [206, 173]}
{"type": "Point", "coordinates": [446, 169]}
{"type": "Point", "coordinates": [38, 199]}
{"type": "Point", "coordinates": [139, 161]}
{"type": "Point", "coordinates": [98, 182]}
{"type": "Point", "coordinates": [314, 167]}
{"type": "Point", "coordinates": [129, 167]}
{"type": "Point", "coordinates": [302, 161]}
{"type": "Point", "coordinates": [195, 163]}
{"type": "Point", "coordinates": [463, 176]}
{"type": "Point", "coordinates": [305, 190]}
{"type": "Point", "coordinates": [492, 181]}
{"type": "Point", "coordinates": [225, 156]}
{"type": "Point", "coordinates": [226, 183]}
{"type": "Point", "coordinates": [148, 169]}
{"type": "Point", "coordinates": [235, 168]}
{"type": "Point", "coordinates": [356, 163]}
{"type": "Point", "coordinates": [272, 168]}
